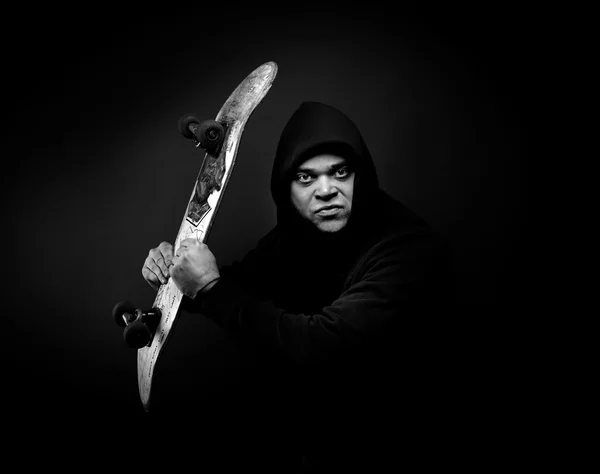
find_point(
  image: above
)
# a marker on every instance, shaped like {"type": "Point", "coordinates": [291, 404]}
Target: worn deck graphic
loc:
{"type": "Point", "coordinates": [202, 207]}
{"type": "Point", "coordinates": [210, 180]}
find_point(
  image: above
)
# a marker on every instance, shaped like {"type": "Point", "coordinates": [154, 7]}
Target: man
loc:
{"type": "Point", "coordinates": [332, 302]}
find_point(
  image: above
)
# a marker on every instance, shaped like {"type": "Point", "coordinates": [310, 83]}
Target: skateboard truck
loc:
{"type": "Point", "coordinates": [207, 134]}
{"type": "Point", "coordinates": [139, 325]}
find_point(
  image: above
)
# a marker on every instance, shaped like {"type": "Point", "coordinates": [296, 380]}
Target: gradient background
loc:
{"type": "Point", "coordinates": [99, 175]}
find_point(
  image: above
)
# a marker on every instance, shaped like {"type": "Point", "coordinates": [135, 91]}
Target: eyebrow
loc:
{"type": "Point", "coordinates": [331, 168]}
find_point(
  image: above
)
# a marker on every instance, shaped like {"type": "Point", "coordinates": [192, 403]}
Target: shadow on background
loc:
{"type": "Point", "coordinates": [99, 175]}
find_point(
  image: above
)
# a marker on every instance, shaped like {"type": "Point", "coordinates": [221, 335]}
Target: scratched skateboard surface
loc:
{"type": "Point", "coordinates": [201, 210]}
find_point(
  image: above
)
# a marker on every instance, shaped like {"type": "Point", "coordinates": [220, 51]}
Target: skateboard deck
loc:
{"type": "Point", "coordinates": [202, 207]}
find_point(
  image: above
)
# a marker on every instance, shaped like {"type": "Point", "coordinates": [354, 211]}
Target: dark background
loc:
{"type": "Point", "coordinates": [98, 174]}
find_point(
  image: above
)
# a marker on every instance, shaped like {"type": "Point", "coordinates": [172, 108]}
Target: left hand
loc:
{"type": "Point", "coordinates": [194, 267]}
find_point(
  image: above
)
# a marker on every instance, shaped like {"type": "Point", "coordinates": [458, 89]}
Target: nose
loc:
{"type": "Point", "coordinates": [325, 188]}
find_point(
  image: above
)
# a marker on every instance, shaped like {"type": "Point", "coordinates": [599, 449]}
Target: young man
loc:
{"type": "Point", "coordinates": [332, 302]}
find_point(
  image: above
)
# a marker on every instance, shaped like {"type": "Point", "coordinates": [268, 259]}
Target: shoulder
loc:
{"type": "Point", "coordinates": [270, 243]}
{"type": "Point", "coordinates": [269, 239]}
{"type": "Point", "coordinates": [396, 217]}
{"type": "Point", "coordinates": [267, 249]}
{"type": "Point", "coordinates": [398, 228]}
{"type": "Point", "coordinates": [403, 240]}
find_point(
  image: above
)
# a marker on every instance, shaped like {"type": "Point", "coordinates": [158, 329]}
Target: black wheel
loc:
{"type": "Point", "coordinates": [210, 134]}
{"type": "Point", "coordinates": [184, 126]}
{"type": "Point", "coordinates": [137, 335]}
{"type": "Point", "coordinates": [121, 308]}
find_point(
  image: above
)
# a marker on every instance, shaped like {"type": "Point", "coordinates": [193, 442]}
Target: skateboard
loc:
{"type": "Point", "coordinates": [148, 330]}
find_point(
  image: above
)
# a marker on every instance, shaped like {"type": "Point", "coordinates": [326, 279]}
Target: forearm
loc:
{"type": "Point", "coordinates": [305, 338]}
{"type": "Point", "coordinates": [244, 316]}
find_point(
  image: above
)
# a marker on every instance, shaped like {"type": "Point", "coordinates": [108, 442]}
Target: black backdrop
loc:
{"type": "Point", "coordinates": [98, 174]}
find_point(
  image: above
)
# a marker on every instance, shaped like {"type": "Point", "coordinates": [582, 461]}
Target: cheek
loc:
{"type": "Point", "coordinates": [348, 189]}
{"type": "Point", "coordinates": [299, 198]}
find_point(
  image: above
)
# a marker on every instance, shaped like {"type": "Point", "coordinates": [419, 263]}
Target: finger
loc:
{"type": "Point", "coordinates": [150, 278]}
{"type": "Point", "coordinates": [154, 254]}
{"type": "Point", "coordinates": [167, 254]}
{"type": "Point", "coordinates": [162, 265]}
{"type": "Point", "coordinates": [191, 242]}
{"type": "Point", "coordinates": [155, 257]}
{"type": "Point", "coordinates": [155, 269]}
{"type": "Point", "coordinates": [164, 247]}
{"type": "Point", "coordinates": [175, 268]}
{"type": "Point", "coordinates": [182, 249]}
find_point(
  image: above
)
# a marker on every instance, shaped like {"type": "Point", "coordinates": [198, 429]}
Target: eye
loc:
{"type": "Point", "coordinates": [342, 172]}
{"type": "Point", "coordinates": [303, 178]}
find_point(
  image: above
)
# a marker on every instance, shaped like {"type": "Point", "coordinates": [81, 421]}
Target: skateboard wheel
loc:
{"type": "Point", "coordinates": [137, 335]}
{"type": "Point", "coordinates": [210, 134]}
{"type": "Point", "coordinates": [121, 308]}
{"type": "Point", "coordinates": [184, 126]}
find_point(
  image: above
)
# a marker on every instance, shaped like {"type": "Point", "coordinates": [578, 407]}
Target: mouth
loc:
{"type": "Point", "coordinates": [328, 210]}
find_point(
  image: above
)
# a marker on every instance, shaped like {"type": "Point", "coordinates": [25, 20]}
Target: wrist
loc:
{"type": "Point", "coordinates": [208, 283]}
{"type": "Point", "coordinates": [207, 288]}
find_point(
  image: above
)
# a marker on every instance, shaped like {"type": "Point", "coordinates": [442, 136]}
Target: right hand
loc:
{"type": "Point", "coordinates": [156, 266]}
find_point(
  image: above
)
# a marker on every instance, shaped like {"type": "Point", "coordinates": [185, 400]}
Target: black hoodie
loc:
{"type": "Point", "coordinates": [309, 294]}
{"type": "Point", "coordinates": [336, 315]}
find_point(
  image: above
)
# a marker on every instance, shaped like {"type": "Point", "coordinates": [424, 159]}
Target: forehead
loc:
{"type": "Point", "coordinates": [322, 162]}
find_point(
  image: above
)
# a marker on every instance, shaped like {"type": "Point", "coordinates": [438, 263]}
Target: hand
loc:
{"type": "Point", "coordinates": [156, 266]}
{"type": "Point", "coordinates": [194, 267]}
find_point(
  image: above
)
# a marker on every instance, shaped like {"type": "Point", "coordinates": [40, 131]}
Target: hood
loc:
{"type": "Point", "coordinates": [316, 128]}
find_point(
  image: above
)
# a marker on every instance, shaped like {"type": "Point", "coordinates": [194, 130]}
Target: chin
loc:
{"type": "Point", "coordinates": [332, 225]}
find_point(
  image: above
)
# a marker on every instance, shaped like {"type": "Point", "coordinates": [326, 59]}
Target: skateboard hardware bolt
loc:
{"type": "Point", "coordinates": [210, 134]}
{"type": "Point", "coordinates": [206, 134]}
{"type": "Point", "coordinates": [129, 317]}
{"type": "Point", "coordinates": [139, 326]}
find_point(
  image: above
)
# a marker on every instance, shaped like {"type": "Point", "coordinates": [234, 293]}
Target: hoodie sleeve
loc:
{"type": "Point", "coordinates": [389, 285]}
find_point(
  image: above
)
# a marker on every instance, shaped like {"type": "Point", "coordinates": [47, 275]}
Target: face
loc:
{"type": "Point", "coordinates": [322, 191]}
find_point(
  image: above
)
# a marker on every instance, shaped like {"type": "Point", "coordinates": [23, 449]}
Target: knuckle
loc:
{"type": "Point", "coordinates": [154, 253]}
